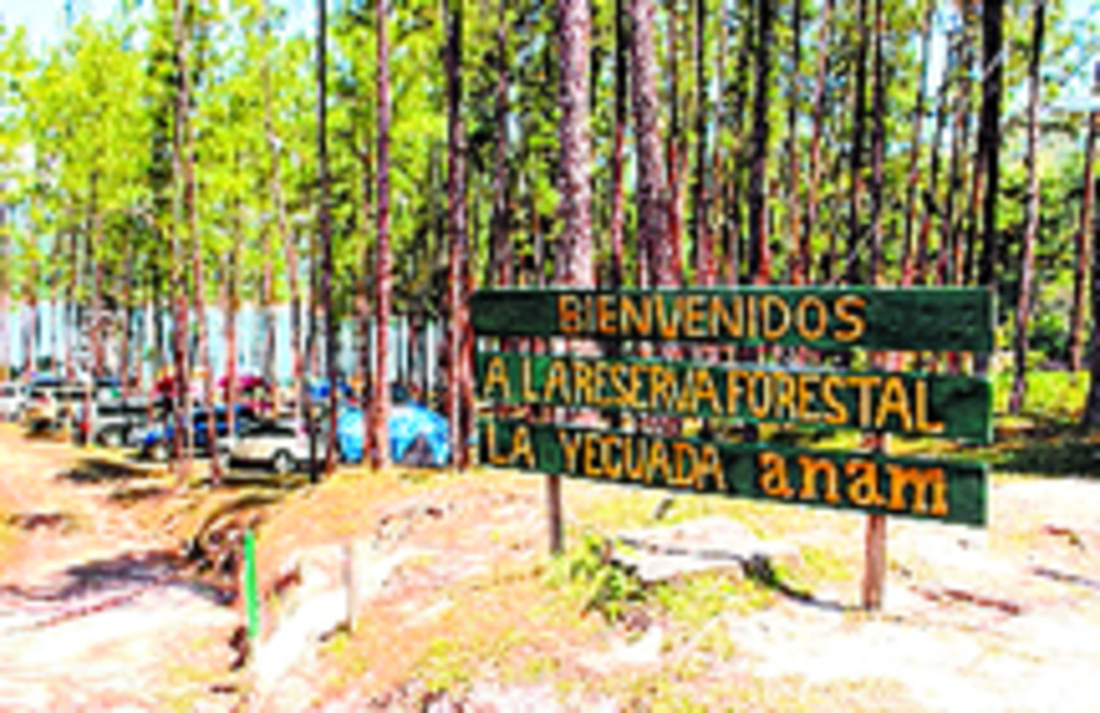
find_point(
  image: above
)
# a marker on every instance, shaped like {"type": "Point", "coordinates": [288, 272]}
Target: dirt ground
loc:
{"type": "Point", "coordinates": [459, 608]}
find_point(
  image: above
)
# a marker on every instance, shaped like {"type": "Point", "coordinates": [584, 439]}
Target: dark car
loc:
{"type": "Point", "coordinates": [156, 443]}
{"type": "Point", "coordinates": [113, 423]}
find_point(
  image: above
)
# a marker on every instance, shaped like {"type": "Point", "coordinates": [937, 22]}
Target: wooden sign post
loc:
{"type": "Point", "coordinates": [874, 401]}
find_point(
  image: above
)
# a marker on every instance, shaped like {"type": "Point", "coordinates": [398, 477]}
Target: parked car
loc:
{"type": "Point", "coordinates": [280, 445]}
{"type": "Point", "coordinates": [418, 436]}
{"type": "Point", "coordinates": [51, 402]}
{"type": "Point", "coordinates": [156, 443]}
{"type": "Point", "coordinates": [113, 423]}
{"type": "Point", "coordinates": [13, 399]}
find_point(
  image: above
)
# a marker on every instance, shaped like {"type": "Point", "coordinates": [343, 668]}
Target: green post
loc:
{"type": "Point", "coordinates": [251, 596]}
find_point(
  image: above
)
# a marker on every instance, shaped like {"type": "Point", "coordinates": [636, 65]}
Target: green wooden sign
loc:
{"type": "Point", "coordinates": [925, 319]}
{"type": "Point", "coordinates": [914, 404]}
{"type": "Point", "coordinates": [945, 491]}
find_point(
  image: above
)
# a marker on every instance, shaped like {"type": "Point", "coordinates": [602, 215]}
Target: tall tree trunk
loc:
{"type": "Point", "coordinates": [380, 406]}
{"type": "Point", "coordinates": [815, 167]}
{"type": "Point", "coordinates": [70, 304]}
{"type": "Point", "coordinates": [703, 238]}
{"type": "Point", "coordinates": [31, 327]}
{"type": "Point", "coordinates": [366, 365]}
{"type": "Point", "coordinates": [128, 314]}
{"type": "Point", "coordinates": [673, 140]}
{"type": "Point", "coordinates": [325, 227]}
{"type": "Point", "coordinates": [932, 190]}
{"type": "Point", "coordinates": [617, 197]}
{"type": "Point", "coordinates": [1092, 406]}
{"type": "Point", "coordinates": [198, 288]}
{"type": "Point", "coordinates": [964, 229]}
{"type": "Point", "coordinates": [231, 291]}
{"type": "Point", "coordinates": [652, 193]}
{"type": "Point", "coordinates": [95, 331]}
{"type": "Point", "coordinates": [989, 142]}
{"type": "Point", "coordinates": [859, 111]}
{"type": "Point", "coordinates": [182, 396]}
{"type": "Point", "coordinates": [275, 185]}
{"type": "Point", "coordinates": [1027, 250]}
{"type": "Point", "coordinates": [297, 357]}
{"type": "Point", "coordinates": [574, 253]}
{"type": "Point", "coordinates": [759, 256]}
{"type": "Point", "coordinates": [913, 173]}
{"type": "Point", "coordinates": [800, 250]}
{"type": "Point", "coordinates": [734, 248]}
{"type": "Point", "coordinates": [458, 262]}
{"type": "Point", "coordinates": [502, 263]}
{"type": "Point", "coordinates": [1084, 255]}
{"type": "Point", "coordinates": [948, 237]}
{"type": "Point", "coordinates": [878, 145]}
{"type": "Point", "coordinates": [574, 247]}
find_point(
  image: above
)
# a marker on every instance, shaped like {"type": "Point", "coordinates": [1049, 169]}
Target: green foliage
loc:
{"type": "Point", "coordinates": [610, 590]}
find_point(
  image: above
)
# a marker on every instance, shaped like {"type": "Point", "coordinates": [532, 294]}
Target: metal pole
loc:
{"type": "Point", "coordinates": [251, 590]}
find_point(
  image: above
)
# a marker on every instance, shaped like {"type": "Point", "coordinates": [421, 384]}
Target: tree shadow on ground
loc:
{"type": "Point", "coordinates": [249, 479]}
{"type": "Point", "coordinates": [128, 496]}
{"type": "Point", "coordinates": [123, 572]}
{"type": "Point", "coordinates": [93, 469]}
{"type": "Point", "coordinates": [760, 571]}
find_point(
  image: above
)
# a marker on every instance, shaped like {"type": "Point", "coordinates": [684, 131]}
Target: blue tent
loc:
{"type": "Point", "coordinates": [407, 423]}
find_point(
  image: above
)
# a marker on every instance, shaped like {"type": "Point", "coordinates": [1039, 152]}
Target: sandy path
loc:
{"type": "Point", "coordinates": [91, 615]}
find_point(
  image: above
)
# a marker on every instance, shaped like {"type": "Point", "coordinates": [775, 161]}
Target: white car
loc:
{"type": "Point", "coordinates": [279, 445]}
{"type": "Point", "coordinates": [13, 398]}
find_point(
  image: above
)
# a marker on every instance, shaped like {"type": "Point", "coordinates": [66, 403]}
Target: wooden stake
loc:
{"type": "Point", "coordinates": [553, 512]}
{"type": "Point", "coordinates": [874, 573]}
{"type": "Point", "coordinates": [349, 584]}
{"type": "Point", "coordinates": [874, 546]}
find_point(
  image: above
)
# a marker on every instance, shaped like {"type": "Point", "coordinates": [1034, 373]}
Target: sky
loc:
{"type": "Point", "coordinates": [45, 21]}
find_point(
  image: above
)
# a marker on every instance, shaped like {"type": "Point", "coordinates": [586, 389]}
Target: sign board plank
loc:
{"type": "Point", "coordinates": [925, 319]}
{"type": "Point", "coordinates": [913, 404]}
{"type": "Point", "coordinates": [940, 490]}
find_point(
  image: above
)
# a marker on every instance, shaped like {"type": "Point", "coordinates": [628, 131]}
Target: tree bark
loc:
{"type": "Point", "coordinates": [181, 397]}
{"type": "Point", "coordinates": [502, 262]}
{"type": "Point", "coordinates": [759, 255]}
{"type": "Point", "coordinates": [127, 312]}
{"type": "Point", "coordinates": [673, 140]}
{"type": "Point", "coordinates": [800, 250]}
{"type": "Point", "coordinates": [989, 141]}
{"type": "Point", "coordinates": [366, 365]}
{"type": "Point", "coordinates": [913, 172]}
{"type": "Point", "coordinates": [931, 191]}
{"type": "Point", "coordinates": [652, 193]}
{"type": "Point", "coordinates": [878, 145]}
{"type": "Point", "coordinates": [859, 111]}
{"type": "Point", "coordinates": [1092, 407]}
{"type": "Point", "coordinates": [325, 227]}
{"type": "Point", "coordinates": [459, 343]}
{"type": "Point", "coordinates": [1084, 254]}
{"type": "Point", "coordinates": [703, 238]}
{"type": "Point", "coordinates": [815, 167]}
{"type": "Point", "coordinates": [1027, 250]}
{"type": "Point", "coordinates": [380, 406]}
{"type": "Point", "coordinates": [617, 197]}
{"type": "Point", "coordinates": [275, 183]}
{"type": "Point", "coordinates": [198, 297]}
{"type": "Point", "coordinates": [232, 297]}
